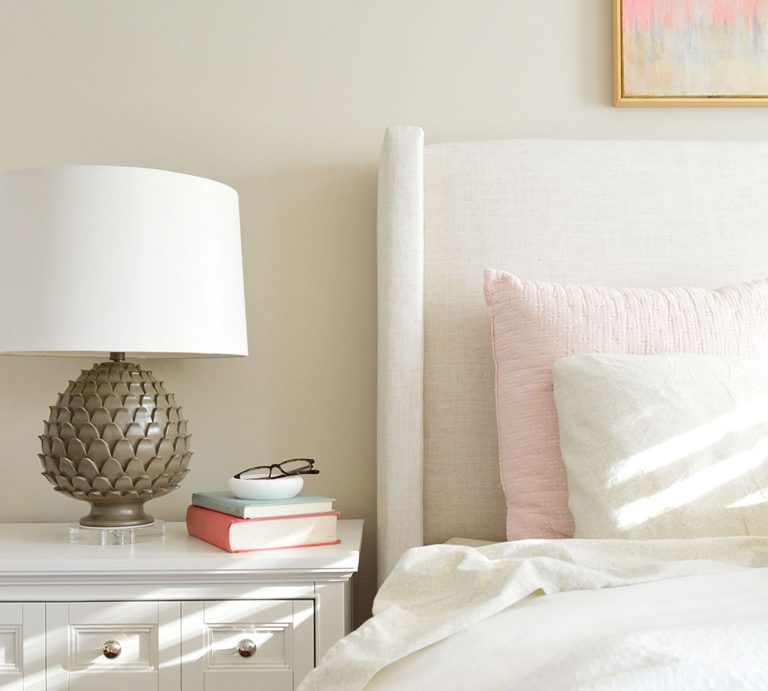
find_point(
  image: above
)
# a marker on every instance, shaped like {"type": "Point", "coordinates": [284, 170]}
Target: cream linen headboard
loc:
{"type": "Point", "coordinates": [596, 212]}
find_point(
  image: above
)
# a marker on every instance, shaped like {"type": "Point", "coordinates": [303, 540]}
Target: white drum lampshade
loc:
{"type": "Point", "coordinates": [115, 261]}
{"type": "Point", "coordinates": [100, 259]}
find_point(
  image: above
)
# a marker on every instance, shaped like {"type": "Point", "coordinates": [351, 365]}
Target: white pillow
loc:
{"type": "Point", "coordinates": [664, 446]}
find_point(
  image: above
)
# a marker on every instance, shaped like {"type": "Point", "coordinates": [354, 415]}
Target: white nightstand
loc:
{"type": "Point", "coordinates": [172, 615]}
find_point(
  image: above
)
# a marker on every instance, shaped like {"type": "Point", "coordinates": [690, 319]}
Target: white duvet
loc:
{"type": "Point", "coordinates": [564, 614]}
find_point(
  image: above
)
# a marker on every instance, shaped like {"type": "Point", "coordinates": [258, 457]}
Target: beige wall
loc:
{"type": "Point", "coordinates": [286, 100]}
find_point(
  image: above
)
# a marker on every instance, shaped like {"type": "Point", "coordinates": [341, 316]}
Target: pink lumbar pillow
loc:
{"type": "Point", "coordinates": [534, 324]}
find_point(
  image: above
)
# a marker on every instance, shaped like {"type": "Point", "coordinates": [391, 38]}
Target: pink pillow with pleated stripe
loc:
{"type": "Point", "coordinates": [534, 324]}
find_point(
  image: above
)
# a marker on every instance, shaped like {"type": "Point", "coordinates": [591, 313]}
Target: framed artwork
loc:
{"type": "Point", "coordinates": [690, 52]}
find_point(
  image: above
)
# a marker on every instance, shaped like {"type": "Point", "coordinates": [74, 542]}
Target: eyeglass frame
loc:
{"type": "Point", "coordinates": [307, 469]}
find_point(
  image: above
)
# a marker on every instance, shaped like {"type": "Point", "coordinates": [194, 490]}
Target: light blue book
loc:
{"type": "Point", "coordinates": [226, 502]}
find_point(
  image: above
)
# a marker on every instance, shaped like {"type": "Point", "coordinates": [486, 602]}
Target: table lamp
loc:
{"type": "Point", "coordinates": [118, 263]}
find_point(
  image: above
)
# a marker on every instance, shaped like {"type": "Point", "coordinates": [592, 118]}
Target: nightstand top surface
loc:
{"type": "Point", "coordinates": [44, 548]}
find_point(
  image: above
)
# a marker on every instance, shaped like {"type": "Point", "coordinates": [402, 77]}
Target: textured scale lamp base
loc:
{"type": "Point", "coordinates": [115, 438]}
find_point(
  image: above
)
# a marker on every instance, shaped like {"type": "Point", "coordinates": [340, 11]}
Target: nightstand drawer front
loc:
{"type": "Point", "coordinates": [112, 636]}
{"type": "Point", "coordinates": [120, 646]}
{"type": "Point", "coordinates": [248, 635]}
{"type": "Point", "coordinates": [246, 644]}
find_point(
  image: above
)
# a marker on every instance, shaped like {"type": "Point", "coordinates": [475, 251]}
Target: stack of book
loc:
{"type": "Point", "coordinates": [244, 525]}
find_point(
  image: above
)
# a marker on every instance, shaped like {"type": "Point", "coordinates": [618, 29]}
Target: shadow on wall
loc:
{"type": "Point", "coordinates": [309, 240]}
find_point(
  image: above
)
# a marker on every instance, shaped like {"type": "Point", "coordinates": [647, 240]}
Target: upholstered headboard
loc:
{"type": "Point", "coordinates": [592, 212]}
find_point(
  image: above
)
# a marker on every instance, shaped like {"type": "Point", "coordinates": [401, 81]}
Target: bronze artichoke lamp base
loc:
{"type": "Point", "coordinates": [115, 438]}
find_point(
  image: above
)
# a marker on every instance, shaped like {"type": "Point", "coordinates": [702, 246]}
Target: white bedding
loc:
{"type": "Point", "coordinates": [638, 615]}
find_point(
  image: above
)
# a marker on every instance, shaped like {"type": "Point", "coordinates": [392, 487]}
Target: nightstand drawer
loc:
{"type": "Point", "coordinates": [248, 635]}
{"type": "Point", "coordinates": [246, 644]}
{"type": "Point", "coordinates": [115, 645]}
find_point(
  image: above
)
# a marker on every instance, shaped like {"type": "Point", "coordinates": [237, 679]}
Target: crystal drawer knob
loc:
{"type": "Point", "coordinates": [246, 647]}
{"type": "Point", "coordinates": [112, 649]}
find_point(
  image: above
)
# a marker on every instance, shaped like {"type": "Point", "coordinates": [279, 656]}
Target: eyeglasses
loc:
{"type": "Point", "coordinates": [293, 466]}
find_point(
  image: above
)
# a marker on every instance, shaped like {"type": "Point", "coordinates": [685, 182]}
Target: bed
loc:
{"type": "Point", "coordinates": [617, 614]}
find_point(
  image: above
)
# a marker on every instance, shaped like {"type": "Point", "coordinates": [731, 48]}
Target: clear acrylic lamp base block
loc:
{"type": "Point", "coordinates": [131, 535]}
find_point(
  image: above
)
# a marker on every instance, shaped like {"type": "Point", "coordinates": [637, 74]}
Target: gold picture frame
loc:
{"type": "Point", "coordinates": [628, 73]}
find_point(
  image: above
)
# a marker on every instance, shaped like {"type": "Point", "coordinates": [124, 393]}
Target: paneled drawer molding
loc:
{"type": "Point", "coordinates": [258, 646]}
{"type": "Point", "coordinates": [238, 645]}
{"type": "Point", "coordinates": [22, 646]}
{"type": "Point", "coordinates": [131, 648]}
{"type": "Point", "coordinates": [10, 650]}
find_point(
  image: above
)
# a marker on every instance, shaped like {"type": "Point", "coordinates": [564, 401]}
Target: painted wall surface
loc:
{"type": "Point", "coordinates": [287, 100]}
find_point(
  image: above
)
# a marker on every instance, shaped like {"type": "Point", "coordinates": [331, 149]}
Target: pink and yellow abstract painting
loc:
{"type": "Point", "coordinates": [693, 48]}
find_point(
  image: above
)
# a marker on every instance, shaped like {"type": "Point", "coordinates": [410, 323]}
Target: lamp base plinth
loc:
{"type": "Point", "coordinates": [83, 535]}
{"type": "Point", "coordinates": [123, 514]}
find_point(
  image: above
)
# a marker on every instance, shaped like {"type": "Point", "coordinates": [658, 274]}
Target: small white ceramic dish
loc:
{"type": "Point", "coordinates": [276, 488]}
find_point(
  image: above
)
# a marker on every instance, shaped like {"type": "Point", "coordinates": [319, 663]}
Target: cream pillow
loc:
{"type": "Point", "coordinates": [664, 446]}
